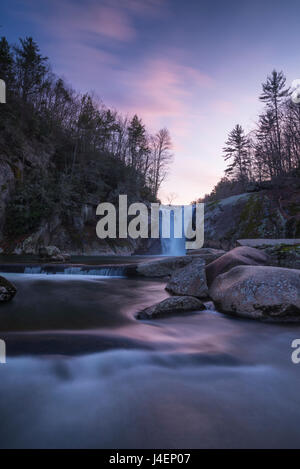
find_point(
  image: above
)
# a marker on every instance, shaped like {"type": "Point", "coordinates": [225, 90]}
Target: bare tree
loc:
{"type": "Point", "coordinates": [161, 158]}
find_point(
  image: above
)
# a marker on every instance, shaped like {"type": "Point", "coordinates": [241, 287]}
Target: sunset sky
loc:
{"type": "Point", "coordinates": [193, 66]}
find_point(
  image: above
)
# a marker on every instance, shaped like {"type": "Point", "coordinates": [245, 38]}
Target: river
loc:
{"type": "Point", "coordinates": [82, 372]}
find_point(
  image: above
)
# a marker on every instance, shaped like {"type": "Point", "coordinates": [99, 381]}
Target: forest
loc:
{"type": "Point", "coordinates": [65, 148]}
{"type": "Point", "coordinates": [268, 154]}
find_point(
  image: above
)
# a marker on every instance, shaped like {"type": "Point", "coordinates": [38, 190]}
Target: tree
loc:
{"type": "Point", "coordinates": [31, 68]}
{"type": "Point", "coordinates": [161, 158]}
{"type": "Point", "coordinates": [273, 92]}
{"type": "Point", "coordinates": [237, 151]}
{"type": "Point", "coordinates": [6, 62]}
{"type": "Point", "coordinates": [138, 145]}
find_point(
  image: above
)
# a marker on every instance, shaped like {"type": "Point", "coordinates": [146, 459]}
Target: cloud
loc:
{"type": "Point", "coordinates": [79, 21]}
{"type": "Point", "coordinates": [160, 87]}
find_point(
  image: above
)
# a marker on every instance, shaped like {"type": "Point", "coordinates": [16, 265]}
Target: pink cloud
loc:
{"type": "Point", "coordinates": [162, 88]}
{"type": "Point", "coordinates": [110, 22]}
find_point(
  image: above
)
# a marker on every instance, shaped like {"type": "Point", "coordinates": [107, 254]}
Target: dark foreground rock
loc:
{"type": "Point", "coordinates": [170, 306]}
{"type": "Point", "coordinates": [190, 280]}
{"type": "Point", "coordinates": [258, 292]}
{"type": "Point", "coordinates": [243, 255]}
{"type": "Point", "coordinates": [7, 290]}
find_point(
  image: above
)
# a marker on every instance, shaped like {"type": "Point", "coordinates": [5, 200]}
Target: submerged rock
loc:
{"type": "Point", "coordinates": [172, 305]}
{"type": "Point", "coordinates": [242, 255]}
{"type": "Point", "coordinates": [163, 267]}
{"type": "Point", "coordinates": [190, 280]}
{"type": "Point", "coordinates": [7, 290]}
{"type": "Point", "coordinates": [207, 254]}
{"type": "Point", "coordinates": [258, 292]}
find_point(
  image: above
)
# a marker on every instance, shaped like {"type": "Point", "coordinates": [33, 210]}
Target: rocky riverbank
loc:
{"type": "Point", "coordinates": [245, 281]}
{"type": "Point", "coordinates": [242, 282]}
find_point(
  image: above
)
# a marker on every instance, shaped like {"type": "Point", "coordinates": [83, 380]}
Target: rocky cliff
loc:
{"type": "Point", "coordinates": [273, 213]}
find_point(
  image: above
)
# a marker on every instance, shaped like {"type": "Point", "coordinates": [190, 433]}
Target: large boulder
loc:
{"type": "Point", "coordinates": [170, 306]}
{"type": "Point", "coordinates": [190, 280]}
{"type": "Point", "coordinates": [259, 292]}
{"type": "Point", "coordinates": [242, 255]}
{"type": "Point", "coordinates": [163, 267]}
{"type": "Point", "coordinates": [7, 290]}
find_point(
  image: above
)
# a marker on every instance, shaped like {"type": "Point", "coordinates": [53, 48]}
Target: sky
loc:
{"type": "Point", "coordinates": [193, 66]}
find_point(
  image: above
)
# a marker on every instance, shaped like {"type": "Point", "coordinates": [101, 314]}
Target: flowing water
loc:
{"type": "Point", "coordinates": [171, 231]}
{"type": "Point", "coordinates": [82, 372]}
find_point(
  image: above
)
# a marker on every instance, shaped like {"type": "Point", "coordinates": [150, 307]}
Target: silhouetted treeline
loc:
{"type": "Point", "coordinates": [271, 151]}
{"type": "Point", "coordinates": [65, 147]}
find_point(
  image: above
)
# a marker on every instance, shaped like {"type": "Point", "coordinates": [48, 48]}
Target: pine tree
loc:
{"type": "Point", "coordinates": [137, 143]}
{"type": "Point", "coordinates": [31, 68]}
{"type": "Point", "coordinates": [273, 92]}
{"type": "Point", "coordinates": [6, 62]}
{"type": "Point", "coordinates": [237, 151]}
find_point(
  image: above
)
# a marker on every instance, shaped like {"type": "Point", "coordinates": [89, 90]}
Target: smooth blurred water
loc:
{"type": "Point", "coordinates": [81, 372]}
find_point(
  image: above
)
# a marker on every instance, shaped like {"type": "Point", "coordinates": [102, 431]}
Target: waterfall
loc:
{"type": "Point", "coordinates": [171, 229]}
{"type": "Point", "coordinates": [68, 269]}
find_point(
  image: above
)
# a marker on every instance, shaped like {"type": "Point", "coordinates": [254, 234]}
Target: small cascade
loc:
{"type": "Point", "coordinates": [53, 269]}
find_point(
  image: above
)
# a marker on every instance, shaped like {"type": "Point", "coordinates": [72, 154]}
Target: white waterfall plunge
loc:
{"type": "Point", "coordinates": [171, 228]}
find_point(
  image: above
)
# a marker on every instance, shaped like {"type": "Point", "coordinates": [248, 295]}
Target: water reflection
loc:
{"type": "Point", "coordinates": [82, 372]}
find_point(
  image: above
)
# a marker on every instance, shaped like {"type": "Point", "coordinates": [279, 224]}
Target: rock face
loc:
{"type": "Point", "coordinates": [242, 255]}
{"type": "Point", "coordinates": [6, 186]}
{"type": "Point", "coordinates": [190, 280]}
{"type": "Point", "coordinates": [170, 306]}
{"type": "Point", "coordinates": [163, 267]}
{"type": "Point", "coordinates": [248, 215]}
{"type": "Point", "coordinates": [284, 255]}
{"type": "Point", "coordinates": [7, 290]}
{"type": "Point", "coordinates": [207, 254]}
{"type": "Point", "coordinates": [258, 292]}
{"type": "Point", "coordinates": [282, 252]}
{"type": "Point", "coordinates": [264, 242]}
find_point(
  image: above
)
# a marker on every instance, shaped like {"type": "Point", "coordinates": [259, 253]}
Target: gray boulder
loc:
{"type": "Point", "coordinates": [259, 292]}
{"type": "Point", "coordinates": [7, 290]}
{"type": "Point", "coordinates": [170, 306]}
{"type": "Point", "coordinates": [242, 255]}
{"type": "Point", "coordinates": [163, 267]}
{"type": "Point", "coordinates": [190, 280]}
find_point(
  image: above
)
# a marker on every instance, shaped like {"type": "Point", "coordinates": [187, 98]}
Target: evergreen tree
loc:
{"type": "Point", "coordinates": [237, 151]}
{"type": "Point", "coordinates": [31, 68]}
{"type": "Point", "coordinates": [6, 62]}
{"type": "Point", "coordinates": [137, 143]}
{"type": "Point", "coordinates": [273, 92]}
